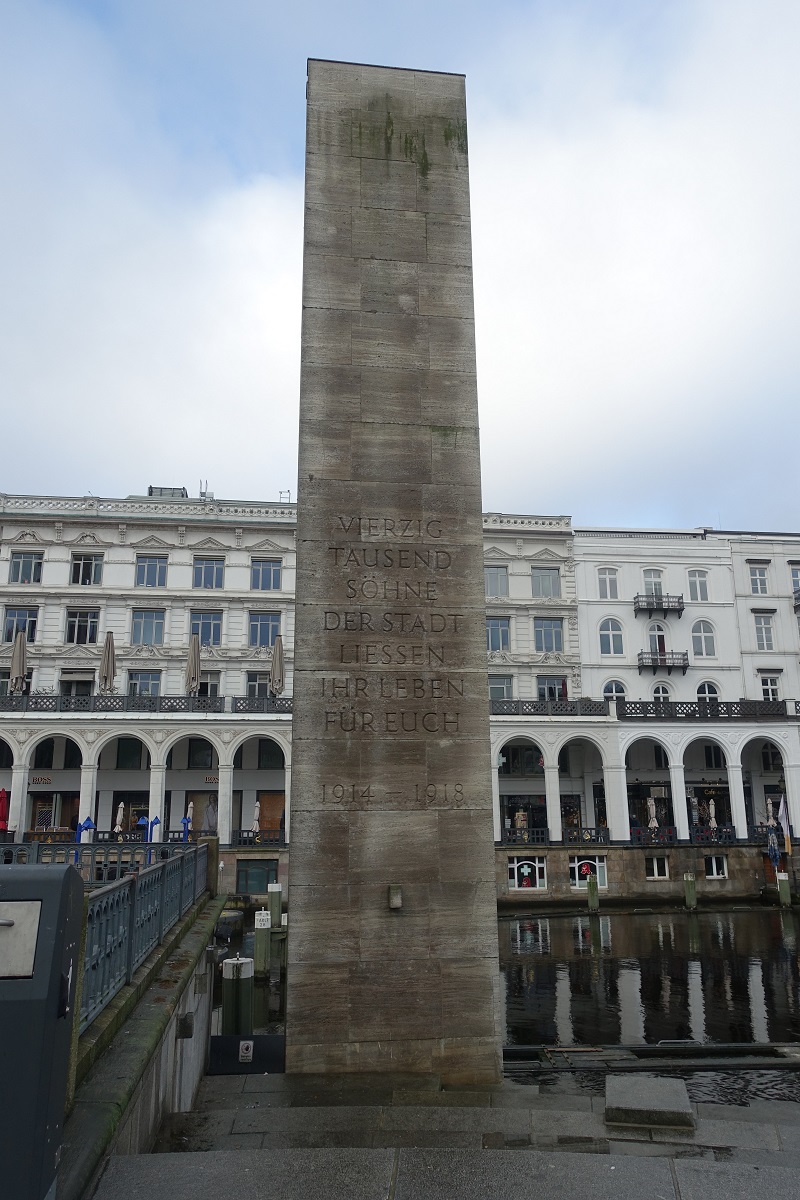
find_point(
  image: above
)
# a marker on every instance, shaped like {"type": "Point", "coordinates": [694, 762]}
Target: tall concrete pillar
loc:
{"type": "Point", "coordinates": [738, 811]}
{"type": "Point", "coordinates": [18, 802]}
{"type": "Point", "coordinates": [225, 804]}
{"type": "Point", "coordinates": [791, 774]}
{"type": "Point", "coordinates": [552, 795]}
{"type": "Point", "coordinates": [497, 821]}
{"type": "Point", "coordinates": [86, 801]}
{"type": "Point", "coordinates": [616, 785]}
{"type": "Point", "coordinates": [158, 774]}
{"type": "Point", "coordinates": [287, 804]}
{"type": "Point", "coordinates": [680, 814]}
{"type": "Point", "coordinates": [392, 954]}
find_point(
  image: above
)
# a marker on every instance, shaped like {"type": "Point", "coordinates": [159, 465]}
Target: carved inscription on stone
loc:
{"type": "Point", "coordinates": [391, 775]}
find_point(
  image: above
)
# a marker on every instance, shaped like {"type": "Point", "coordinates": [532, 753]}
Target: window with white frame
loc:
{"type": "Point", "coordinates": [497, 633]}
{"type": "Point", "coordinates": [208, 627]}
{"type": "Point", "coordinates": [611, 636]}
{"type": "Point", "coordinates": [758, 580]}
{"type": "Point", "coordinates": [698, 586]}
{"type": "Point", "coordinates": [661, 693]}
{"type": "Point", "coordinates": [657, 638]}
{"type": "Point", "coordinates": [795, 579]}
{"type": "Point", "coordinates": [545, 583]}
{"type": "Point", "coordinates": [607, 583]}
{"type": "Point", "coordinates": [551, 687]}
{"type": "Point", "coordinates": [500, 687]}
{"type": "Point", "coordinates": [208, 573]}
{"type": "Point", "coordinates": [26, 567]}
{"type": "Point", "coordinates": [20, 620]}
{"type": "Point", "coordinates": [209, 683]}
{"type": "Point", "coordinates": [264, 628]}
{"type": "Point", "coordinates": [82, 626]}
{"type": "Point", "coordinates": [656, 866]}
{"type": "Point", "coordinates": [265, 574]}
{"type": "Point", "coordinates": [257, 684]}
{"type": "Point", "coordinates": [547, 634]}
{"type": "Point", "coordinates": [716, 866]}
{"type": "Point", "coordinates": [770, 687]}
{"type": "Point", "coordinates": [147, 627]}
{"type": "Point", "coordinates": [496, 581]}
{"type": "Point", "coordinates": [151, 570]}
{"type": "Point", "coordinates": [144, 683]}
{"type": "Point", "coordinates": [764, 638]}
{"type": "Point", "coordinates": [527, 873]}
{"type": "Point", "coordinates": [652, 582]}
{"type": "Point", "coordinates": [614, 690]}
{"type": "Point", "coordinates": [703, 639]}
{"type": "Point", "coordinates": [582, 867]}
{"type": "Point", "coordinates": [87, 569]}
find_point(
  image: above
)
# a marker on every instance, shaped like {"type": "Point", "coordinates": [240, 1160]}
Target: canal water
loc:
{"type": "Point", "coordinates": [633, 978]}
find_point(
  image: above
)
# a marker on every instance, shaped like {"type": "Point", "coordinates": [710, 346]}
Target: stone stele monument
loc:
{"type": "Point", "coordinates": [392, 958]}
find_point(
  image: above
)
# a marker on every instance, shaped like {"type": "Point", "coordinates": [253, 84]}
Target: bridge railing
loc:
{"type": "Point", "coordinates": [128, 918]}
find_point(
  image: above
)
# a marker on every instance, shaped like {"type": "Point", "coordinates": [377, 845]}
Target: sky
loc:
{"type": "Point", "coordinates": [635, 189]}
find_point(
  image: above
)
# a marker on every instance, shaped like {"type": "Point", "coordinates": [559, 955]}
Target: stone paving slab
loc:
{"type": "Point", "coordinates": [251, 1175]}
{"type": "Point", "coordinates": [759, 1111]}
{"type": "Point", "coordinates": [735, 1181]}
{"type": "Point", "coordinates": [647, 1100]}
{"type": "Point", "coordinates": [529, 1175]}
{"type": "Point", "coordinates": [295, 1120]}
{"type": "Point", "coordinates": [723, 1133]}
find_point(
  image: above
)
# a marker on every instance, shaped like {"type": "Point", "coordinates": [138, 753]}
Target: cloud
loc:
{"type": "Point", "coordinates": [636, 290]}
{"type": "Point", "coordinates": [634, 189]}
{"type": "Point", "coordinates": [150, 328]}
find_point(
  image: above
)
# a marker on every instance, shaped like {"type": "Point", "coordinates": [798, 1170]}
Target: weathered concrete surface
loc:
{"type": "Point", "coordinates": [458, 1173]}
{"type": "Point", "coordinates": [145, 1072]}
{"type": "Point", "coordinates": [647, 1100]}
{"type": "Point", "coordinates": [391, 780]}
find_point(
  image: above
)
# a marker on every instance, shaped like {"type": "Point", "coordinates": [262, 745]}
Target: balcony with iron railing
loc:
{"type": "Point", "coordinates": [652, 604]}
{"type": "Point", "coordinates": [47, 702]}
{"type": "Point", "coordinates": [582, 707]}
{"type": "Point", "coordinates": [705, 710]}
{"type": "Point", "coordinates": [663, 660]}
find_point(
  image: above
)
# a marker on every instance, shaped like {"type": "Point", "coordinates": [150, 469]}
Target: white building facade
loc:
{"type": "Point", "coordinates": [635, 676]}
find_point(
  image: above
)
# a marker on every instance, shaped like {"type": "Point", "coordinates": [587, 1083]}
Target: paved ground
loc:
{"type": "Point", "coordinates": [259, 1137]}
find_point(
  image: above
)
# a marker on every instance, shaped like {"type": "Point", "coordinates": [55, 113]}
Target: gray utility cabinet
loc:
{"type": "Point", "coordinates": [41, 912]}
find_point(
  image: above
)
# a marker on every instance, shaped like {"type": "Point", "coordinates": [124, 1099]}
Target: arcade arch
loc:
{"type": "Point", "coordinates": [649, 785]}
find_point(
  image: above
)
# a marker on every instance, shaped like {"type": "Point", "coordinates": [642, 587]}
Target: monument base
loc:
{"type": "Point", "coordinates": [456, 1062]}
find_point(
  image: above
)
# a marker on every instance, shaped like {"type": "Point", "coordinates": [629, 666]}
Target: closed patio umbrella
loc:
{"type": "Point", "coordinates": [712, 815]}
{"type": "Point", "coordinates": [277, 679]}
{"type": "Point", "coordinates": [3, 809]}
{"type": "Point", "coordinates": [190, 813]}
{"type": "Point", "coordinates": [120, 818]}
{"type": "Point", "coordinates": [192, 676]}
{"type": "Point", "coordinates": [19, 664]}
{"type": "Point", "coordinates": [651, 812]}
{"type": "Point", "coordinates": [254, 828]}
{"type": "Point", "coordinates": [108, 665]}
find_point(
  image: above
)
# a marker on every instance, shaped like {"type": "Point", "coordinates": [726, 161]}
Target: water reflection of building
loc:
{"type": "Point", "coordinates": [626, 979]}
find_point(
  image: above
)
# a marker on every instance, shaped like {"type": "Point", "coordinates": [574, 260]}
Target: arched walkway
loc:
{"type": "Point", "coordinates": [707, 789]}
{"type": "Point", "coordinates": [524, 812]}
{"type": "Point", "coordinates": [259, 793]}
{"type": "Point", "coordinates": [649, 786]}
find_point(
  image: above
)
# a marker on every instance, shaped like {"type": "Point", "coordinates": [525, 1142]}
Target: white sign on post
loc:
{"type": "Point", "coordinates": [263, 919]}
{"type": "Point", "coordinates": [245, 1052]}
